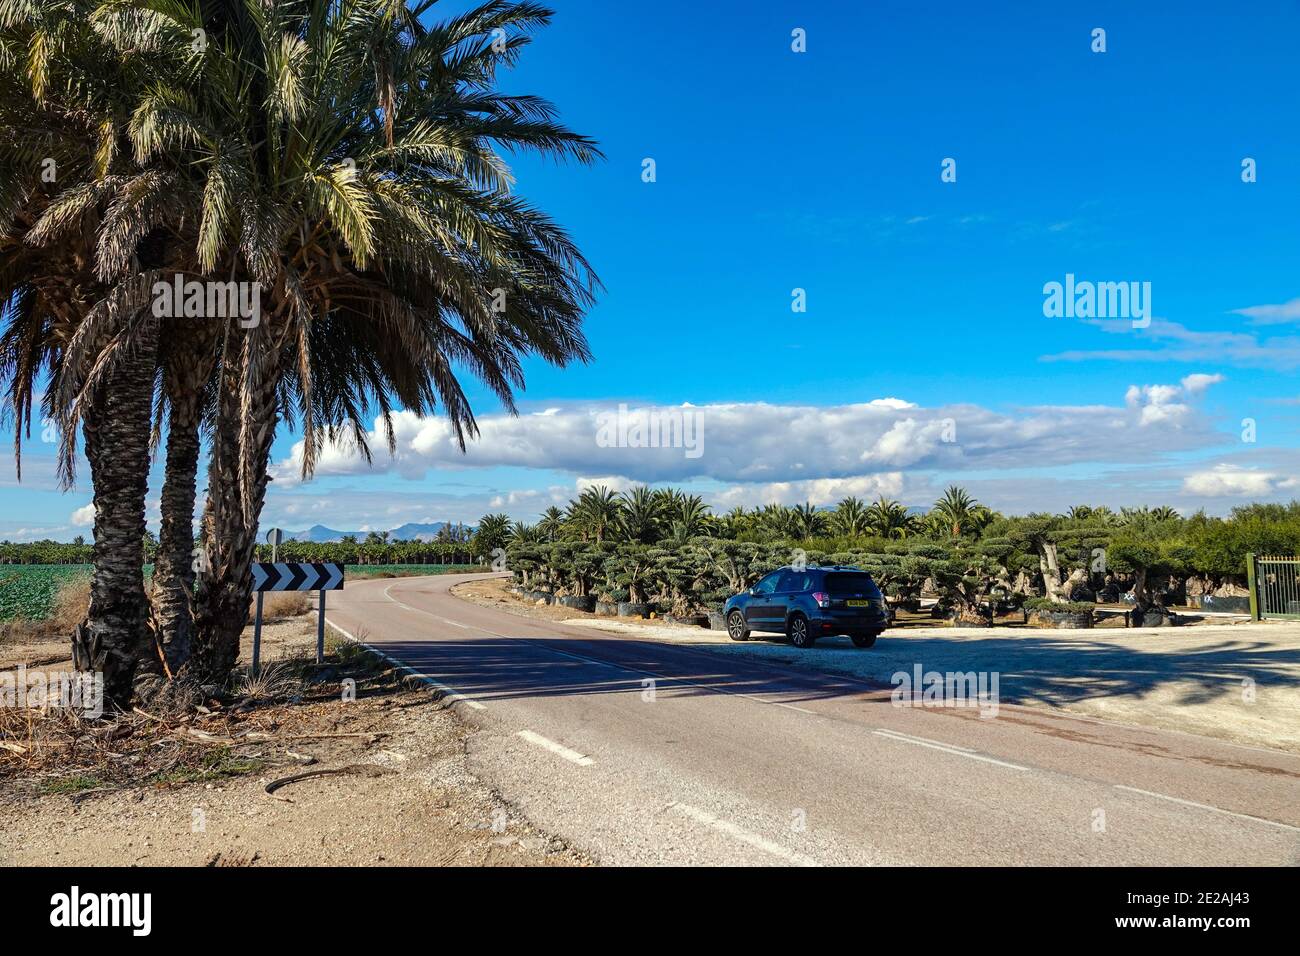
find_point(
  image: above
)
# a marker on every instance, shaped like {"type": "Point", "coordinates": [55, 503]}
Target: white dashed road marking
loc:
{"type": "Point", "coordinates": [582, 760]}
{"type": "Point", "coordinates": [946, 748]}
{"type": "Point", "coordinates": [743, 835]}
{"type": "Point", "coordinates": [1206, 806]}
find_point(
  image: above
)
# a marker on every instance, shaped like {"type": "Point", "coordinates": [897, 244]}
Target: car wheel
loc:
{"type": "Point", "coordinates": [797, 630]}
{"type": "Point", "coordinates": [864, 640]}
{"type": "Point", "coordinates": [736, 629]}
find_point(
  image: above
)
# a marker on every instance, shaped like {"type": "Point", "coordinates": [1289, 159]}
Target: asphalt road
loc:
{"type": "Point", "coordinates": [645, 752]}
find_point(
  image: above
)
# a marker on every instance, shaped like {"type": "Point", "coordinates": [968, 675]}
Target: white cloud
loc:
{"type": "Point", "coordinates": [1162, 404]}
{"type": "Point", "coordinates": [1234, 481]}
{"type": "Point", "coordinates": [1171, 342]}
{"type": "Point", "coordinates": [83, 517]}
{"type": "Point", "coordinates": [820, 491]}
{"type": "Point", "coordinates": [769, 444]}
{"type": "Point", "coordinates": [1198, 382]}
{"type": "Point", "coordinates": [1271, 314]}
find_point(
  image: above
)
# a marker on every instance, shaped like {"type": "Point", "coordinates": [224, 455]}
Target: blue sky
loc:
{"type": "Point", "coordinates": [820, 170]}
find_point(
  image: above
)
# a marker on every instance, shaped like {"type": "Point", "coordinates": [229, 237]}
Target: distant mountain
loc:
{"type": "Point", "coordinates": [318, 533]}
{"type": "Point", "coordinates": [411, 531]}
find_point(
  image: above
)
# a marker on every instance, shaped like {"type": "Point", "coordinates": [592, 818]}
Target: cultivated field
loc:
{"type": "Point", "coordinates": [30, 591]}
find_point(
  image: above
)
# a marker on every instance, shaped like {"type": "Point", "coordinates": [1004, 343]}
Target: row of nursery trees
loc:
{"type": "Point", "coordinates": [665, 546]}
{"type": "Point", "coordinates": [326, 187]}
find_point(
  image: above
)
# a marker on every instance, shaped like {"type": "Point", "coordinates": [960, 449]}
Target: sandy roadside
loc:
{"type": "Point", "coordinates": [1236, 682]}
{"type": "Point", "coordinates": [413, 802]}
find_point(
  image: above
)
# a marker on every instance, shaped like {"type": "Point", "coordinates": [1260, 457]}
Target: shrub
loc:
{"type": "Point", "coordinates": [1067, 607]}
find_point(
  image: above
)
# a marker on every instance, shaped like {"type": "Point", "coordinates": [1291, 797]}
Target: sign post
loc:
{"type": "Point", "coordinates": [273, 538]}
{"type": "Point", "coordinates": [294, 576]}
{"type": "Point", "coordinates": [320, 630]}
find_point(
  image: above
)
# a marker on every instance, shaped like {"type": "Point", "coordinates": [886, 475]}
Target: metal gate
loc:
{"type": "Point", "coordinates": [1274, 587]}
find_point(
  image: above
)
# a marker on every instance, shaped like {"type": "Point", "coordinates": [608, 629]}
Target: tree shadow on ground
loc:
{"type": "Point", "coordinates": [1031, 668]}
{"type": "Point", "coordinates": [1055, 670]}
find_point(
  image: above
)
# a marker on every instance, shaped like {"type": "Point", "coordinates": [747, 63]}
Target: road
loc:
{"type": "Point", "coordinates": [641, 751]}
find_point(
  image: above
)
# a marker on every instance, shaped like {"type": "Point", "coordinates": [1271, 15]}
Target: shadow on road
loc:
{"type": "Point", "coordinates": [1055, 671]}
{"type": "Point", "coordinates": [539, 666]}
{"type": "Point", "coordinates": [1043, 669]}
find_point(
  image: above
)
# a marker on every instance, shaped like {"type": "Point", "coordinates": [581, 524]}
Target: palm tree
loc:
{"type": "Point", "coordinates": [849, 518]}
{"type": "Point", "coordinates": [807, 521]}
{"type": "Point", "coordinates": [187, 365]}
{"type": "Point", "coordinates": [642, 515]}
{"type": "Point", "coordinates": [735, 522]}
{"type": "Point", "coordinates": [596, 512]}
{"type": "Point", "coordinates": [493, 531]}
{"type": "Point", "coordinates": [399, 230]}
{"type": "Point", "coordinates": [521, 533]}
{"type": "Point", "coordinates": [889, 519]}
{"type": "Point", "coordinates": [689, 517]}
{"type": "Point", "coordinates": [403, 254]}
{"type": "Point", "coordinates": [73, 245]}
{"type": "Point", "coordinates": [551, 524]}
{"type": "Point", "coordinates": [957, 509]}
{"type": "Point", "coordinates": [1133, 516]}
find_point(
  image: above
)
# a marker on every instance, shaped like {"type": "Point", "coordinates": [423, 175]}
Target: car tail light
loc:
{"type": "Point", "coordinates": [822, 598]}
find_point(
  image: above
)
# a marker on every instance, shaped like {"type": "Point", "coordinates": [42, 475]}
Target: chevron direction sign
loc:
{"type": "Point", "coordinates": [297, 576]}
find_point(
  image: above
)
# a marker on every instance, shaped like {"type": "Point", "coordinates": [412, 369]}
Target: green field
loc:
{"type": "Point", "coordinates": [28, 590]}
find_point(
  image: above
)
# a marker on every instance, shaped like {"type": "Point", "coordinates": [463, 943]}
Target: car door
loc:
{"type": "Point", "coordinates": [788, 587]}
{"type": "Point", "coordinates": [758, 609]}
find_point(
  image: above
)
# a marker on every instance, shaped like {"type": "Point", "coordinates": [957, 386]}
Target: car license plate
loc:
{"type": "Point", "coordinates": [858, 603]}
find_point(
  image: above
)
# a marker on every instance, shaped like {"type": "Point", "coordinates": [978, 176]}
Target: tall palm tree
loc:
{"type": "Point", "coordinates": [642, 516]}
{"type": "Point", "coordinates": [957, 510]}
{"type": "Point", "coordinates": [551, 524]}
{"type": "Point", "coordinates": [345, 158]}
{"type": "Point", "coordinates": [808, 521]}
{"type": "Point", "coordinates": [889, 519]}
{"type": "Point", "coordinates": [521, 533]}
{"type": "Point", "coordinates": [77, 230]}
{"type": "Point", "coordinates": [596, 513]}
{"type": "Point", "coordinates": [734, 522]}
{"type": "Point", "coordinates": [850, 518]}
{"type": "Point", "coordinates": [187, 364]}
{"type": "Point", "coordinates": [689, 517]}
{"type": "Point", "coordinates": [493, 531]}
{"type": "Point", "coordinates": [779, 521]}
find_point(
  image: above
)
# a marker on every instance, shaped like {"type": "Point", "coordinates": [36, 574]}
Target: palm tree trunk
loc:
{"type": "Point", "coordinates": [188, 367]}
{"type": "Point", "coordinates": [237, 480]}
{"type": "Point", "coordinates": [116, 428]}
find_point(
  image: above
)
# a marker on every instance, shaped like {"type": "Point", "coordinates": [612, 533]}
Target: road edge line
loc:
{"type": "Point", "coordinates": [451, 693]}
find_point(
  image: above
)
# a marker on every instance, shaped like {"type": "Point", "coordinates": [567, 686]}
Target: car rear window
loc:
{"type": "Point", "coordinates": [850, 582]}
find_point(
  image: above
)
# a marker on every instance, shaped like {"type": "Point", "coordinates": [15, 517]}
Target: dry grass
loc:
{"type": "Point", "coordinates": [69, 609]}
{"type": "Point", "coordinates": [70, 606]}
{"type": "Point", "coordinates": [59, 751]}
{"type": "Point", "coordinates": [280, 680]}
{"type": "Point", "coordinates": [282, 604]}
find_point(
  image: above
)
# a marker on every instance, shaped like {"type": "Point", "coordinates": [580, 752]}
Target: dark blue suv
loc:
{"type": "Point", "coordinates": [808, 603]}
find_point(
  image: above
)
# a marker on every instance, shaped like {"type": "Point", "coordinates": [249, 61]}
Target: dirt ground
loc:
{"type": "Point", "coordinates": [407, 797]}
{"type": "Point", "coordinates": [1234, 681]}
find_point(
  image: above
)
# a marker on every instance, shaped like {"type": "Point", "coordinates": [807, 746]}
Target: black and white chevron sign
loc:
{"type": "Point", "coordinates": [297, 576]}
